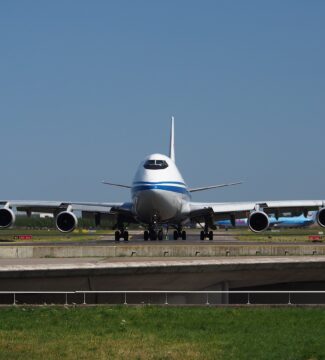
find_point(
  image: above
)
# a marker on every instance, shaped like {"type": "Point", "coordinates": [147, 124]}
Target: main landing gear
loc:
{"type": "Point", "coordinates": [179, 234]}
{"type": "Point", "coordinates": [119, 234]}
{"type": "Point", "coordinates": [206, 234]}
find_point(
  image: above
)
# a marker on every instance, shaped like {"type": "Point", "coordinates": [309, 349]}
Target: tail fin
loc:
{"type": "Point", "coordinates": [312, 215]}
{"type": "Point", "coordinates": [172, 141]}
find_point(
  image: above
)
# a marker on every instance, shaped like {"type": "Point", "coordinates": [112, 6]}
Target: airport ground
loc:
{"type": "Point", "coordinates": [50, 236]}
{"type": "Point", "coordinates": [95, 261]}
{"type": "Point", "coordinates": [149, 332]}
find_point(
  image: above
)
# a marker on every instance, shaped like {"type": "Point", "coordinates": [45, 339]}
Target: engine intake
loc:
{"type": "Point", "coordinates": [66, 221]}
{"type": "Point", "coordinates": [321, 217]}
{"type": "Point", "coordinates": [7, 218]}
{"type": "Point", "coordinates": [258, 221]}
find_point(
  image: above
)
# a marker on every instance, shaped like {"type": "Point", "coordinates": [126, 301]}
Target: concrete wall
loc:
{"type": "Point", "coordinates": [160, 251]}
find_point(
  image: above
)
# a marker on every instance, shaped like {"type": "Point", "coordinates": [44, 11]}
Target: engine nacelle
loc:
{"type": "Point", "coordinates": [321, 217]}
{"type": "Point", "coordinates": [258, 221]}
{"type": "Point", "coordinates": [7, 218]}
{"type": "Point", "coordinates": [66, 221]}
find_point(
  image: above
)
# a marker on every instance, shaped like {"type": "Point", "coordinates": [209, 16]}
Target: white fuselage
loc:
{"type": "Point", "coordinates": [159, 192]}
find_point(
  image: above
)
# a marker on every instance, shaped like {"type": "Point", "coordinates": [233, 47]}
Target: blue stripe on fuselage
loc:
{"type": "Point", "coordinates": [158, 183]}
{"type": "Point", "coordinates": [176, 189]}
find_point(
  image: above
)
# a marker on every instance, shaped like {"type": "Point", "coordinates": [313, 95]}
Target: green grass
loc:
{"type": "Point", "coordinates": [277, 235]}
{"type": "Point", "coordinates": [162, 333]}
{"type": "Point", "coordinates": [50, 235]}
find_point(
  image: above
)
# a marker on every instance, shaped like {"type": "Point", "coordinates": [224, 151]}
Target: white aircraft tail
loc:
{"type": "Point", "coordinates": [172, 141]}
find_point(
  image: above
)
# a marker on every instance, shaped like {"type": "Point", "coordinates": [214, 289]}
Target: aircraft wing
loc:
{"type": "Point", "coordinates": [66, 220]}
{"type": "Point", "coordinates": [58, 206]}
{"type": "Point", "coordinates": [237, 210]}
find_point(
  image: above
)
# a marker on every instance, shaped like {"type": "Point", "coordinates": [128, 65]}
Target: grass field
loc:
{"type": "Point", "coordinates": [51, 235]}
{"type": "Point", "coordinates": [280, 235]}
{"type": "Point", "coordinates": [162, 333]}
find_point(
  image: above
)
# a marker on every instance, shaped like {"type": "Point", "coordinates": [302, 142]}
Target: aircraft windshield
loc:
{"type": "Point", "coordinates": [155, 164]}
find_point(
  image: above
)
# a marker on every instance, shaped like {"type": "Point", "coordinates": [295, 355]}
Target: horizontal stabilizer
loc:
{"type": "Point", "coordinates": [119, 185]}
{"type": "Point", "coordinates": [213, 187]}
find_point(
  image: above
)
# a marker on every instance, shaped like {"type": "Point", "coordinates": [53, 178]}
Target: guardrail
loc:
{"type": "Point", "coordinates": [84, 296]}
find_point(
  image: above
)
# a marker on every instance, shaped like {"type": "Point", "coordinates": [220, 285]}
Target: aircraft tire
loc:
{"type": "Point", "coordinates": [210, 235]}
{"type": "Point", "coordinates": [146, 235]}
{"type": "Point", "coordinates": [117, 235]}
{"type": "Point", "coordinates": [175, 235]}
{"type": "Point", "coordinates": [183, 235]}
{"type": "Point", "coordinates": [202, 235]}
{"type": "Point", "coordinates": [160, 235]}
{"type": "Point", "coordinates": [126, 236]}
{"type": "Point", "coordinates": [153, 235]}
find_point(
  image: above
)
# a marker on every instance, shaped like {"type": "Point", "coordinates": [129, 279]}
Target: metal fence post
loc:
{"type": "Point", "coordinates": [166, 299]}
{"type": "Point", "coordinates": [66, 299]}
{"type": "Point", "coordinates": [14, 299]}
{"type": "Point", "coordinates": [248, 300]}
{"type": "Point", "coordinates": [84, 299]}
{"type": "Point", "coordinates": [207, 303]}
{"type": "Point", "coordinates": [289, 302]}
{"type": "Point", "coordinates": [125, 303]}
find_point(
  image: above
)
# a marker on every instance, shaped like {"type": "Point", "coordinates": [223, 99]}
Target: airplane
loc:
{"type": "Point", "coordinates": [161, 199]}
{"type": "Point", "coordinates": [282, 222]}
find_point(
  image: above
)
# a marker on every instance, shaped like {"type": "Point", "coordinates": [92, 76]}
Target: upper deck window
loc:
{"type": "Point", "coordinates": [155, 164]}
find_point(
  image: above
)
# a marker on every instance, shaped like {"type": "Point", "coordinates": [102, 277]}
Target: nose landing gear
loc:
{"type": "Point", "coordinates": [154, 231]}
{"type": "Point", "coordinates": [157, 232]}
{"type": "Point", "coordinates": [153, 235]}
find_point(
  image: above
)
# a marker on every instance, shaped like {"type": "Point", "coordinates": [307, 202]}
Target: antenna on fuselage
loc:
{"type": "Point", "coordinates": [172, 141]}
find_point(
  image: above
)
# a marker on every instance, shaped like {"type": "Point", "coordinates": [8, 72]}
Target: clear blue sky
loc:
{"type": "Point", "coordinates": [87, 89]}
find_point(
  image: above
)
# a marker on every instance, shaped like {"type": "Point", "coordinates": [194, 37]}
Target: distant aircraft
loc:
{"type": "Point", "coordinates": [161, 198]}
{"type": "Point", "coordinates": [282, 222]}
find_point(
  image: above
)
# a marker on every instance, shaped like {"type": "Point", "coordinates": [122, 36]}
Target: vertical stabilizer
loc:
{"type": "Point", "coordinates": [172, 141]}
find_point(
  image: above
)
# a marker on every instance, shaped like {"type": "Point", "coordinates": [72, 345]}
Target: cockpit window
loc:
{"type": "Point", "coordinates": [155, 164]}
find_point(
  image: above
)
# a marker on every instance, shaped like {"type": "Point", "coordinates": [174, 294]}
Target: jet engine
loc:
{"type": "Point", "coordinates": [258, 221]}
{"type": "Point", "coordinates": [7, 218]}
{"type": "Point", "coordinates": [321, 217]}
{"type": "Point", "coordinates": [66, 221]}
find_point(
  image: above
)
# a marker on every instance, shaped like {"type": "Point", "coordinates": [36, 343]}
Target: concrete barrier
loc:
{"type": "Point", "coordinates": [172, 250]}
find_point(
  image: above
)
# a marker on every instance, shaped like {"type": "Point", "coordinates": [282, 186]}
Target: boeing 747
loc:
{"type": "Point", "coordinates": [160, 198]}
